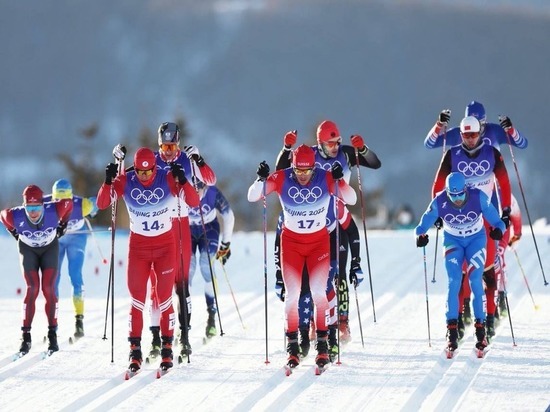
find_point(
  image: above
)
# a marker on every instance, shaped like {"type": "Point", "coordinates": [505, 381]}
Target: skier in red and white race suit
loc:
{"type": "Point", "coordinates": [304, 192]}
{"type": "Point", "coordinates": [36, 226]}
{"type": "Point", "coordinates": [480, 164]}
{"type": "Point", "coordinates": [328, 150]}
{"type": "Point", "coordinates": [150, 195]}
{"type": "Point", "coordinates": [193, 165]}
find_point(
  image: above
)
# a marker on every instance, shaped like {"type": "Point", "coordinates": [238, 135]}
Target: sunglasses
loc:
{"type": "Point", "coordinates": [457, 197]}
{"type": "Point", "coordinates": [169, 147]}
{"type": "Point", "coordinates": [470, 136]}
{"type": "Point", "coordinates": [332, 145]}
{"type": "Point", "coordinates": [33, 208]}
{"type": "Point", "coordinates": [145, 173]}
{"type": "Point", "coordinates": [303, 172]}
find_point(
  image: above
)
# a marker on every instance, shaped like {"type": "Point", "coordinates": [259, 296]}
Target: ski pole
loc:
{"type": "Point", "coordinates": [193, 174]}
{"type": "Point", "coordinates": [365, 230]}
{"type": "Point", "coordinates": [525, 204]}
{"type": "Point", "coordinates": [435, 253]}
{"type": "Point", "coordinates": [524, 278]}
{"type": "Point", "coordinates": [359, 315]}
{"type": "Point", "coordinates": [426, 288]}
{"type": "Point", "coordinates": [265, 271]}
{"type": "Point", "coordinates": [337, 267]}
{"type": "Point", "coordinates": [232, 294]}
{"type": "Point", "coordinates": [509, 316]}
{"type": "Point", "coordinates": [95, 240]}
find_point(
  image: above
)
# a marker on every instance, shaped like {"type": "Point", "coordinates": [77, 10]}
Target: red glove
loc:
{"type": "Point", "coordinates": [290, 138]}
{"type": "Point", "coordinates": [514, 239]}
{"type": "Point", "coordinates": [357, 141]}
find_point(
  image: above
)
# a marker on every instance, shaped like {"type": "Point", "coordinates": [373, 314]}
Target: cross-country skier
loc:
{"type": "Point", "coordinates": [36, 226]}
{"type": "Point", "coordinates": [193, 165]}
{"type": "Point", "coordinates": [481, 164]}
{"type": "Point", "coordinates": [150, 195]}
{"type": "Point", "coordinates": [328, 150]}
{"type": "Point", "coordinates": [208, 242]}
{"type": "Point", "coordinates": [462, 210]}
{"type": "Point", "coordinates": [74, 245]}
{"type": "Point", "coordinates": [305, 192]}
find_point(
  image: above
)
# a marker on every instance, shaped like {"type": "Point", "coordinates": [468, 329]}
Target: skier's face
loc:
{"type": "Point", "coordinates": [331, 147]}
{"type": "Point", "coordinates": [169, 151]}
{"type": "Point", "coordinates": [34, 211]}
{"type": "Point", "coordinates": [470, 140]}
{"type": "Point", "coordinates": [303, 176]}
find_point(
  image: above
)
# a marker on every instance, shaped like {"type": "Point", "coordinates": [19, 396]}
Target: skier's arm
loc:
{"type": "Point", "coordinates": [501, 174]}
{"type": "Point", "coordinates": [273, 182]}
{"type": "Point", "coordinates": [428, 218]}
{"type": "Point", "coordinates": [345, 191]}
{"type": "Point", "coordinates": [367, 157]}
{"type": "Point", "coordinates": [6, 217]}
{"type": "Point", "coordinates": [442, 173]}
{"type": "Point", "coordinates": [490, 213]}
{"type": "Point", "coordinates": [228, 217]}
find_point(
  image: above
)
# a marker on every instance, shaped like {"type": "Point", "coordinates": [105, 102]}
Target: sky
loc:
{"type": "Point", "coordinates": [399, 367]}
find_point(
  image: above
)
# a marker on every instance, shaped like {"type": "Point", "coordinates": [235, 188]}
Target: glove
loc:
{"type": "Point", "coordinates": [110, 173]}
{"type": "Point", "coordinates": [514, 239]}
{"type": "Point", "coordinates": [14, 233]}
{"type": "Point", "coordinates": [337, 171]}
{"type": "Point", "coordinates": [290, 139]}
{"type": "Point", "coordinates": [444, 117]}
{"type": "Point", "coordinates": [177, 172]}
{"type": "Point", "coordinates": [506, 216]}
{"type": "Point", "coordinates": [357, 141]}
{"type": "Point", "coordinates": [262, 171]}
{"type": "Point", "coordinates": [422, 240]}
{"type": "Point", "coordinates": [61, 229]}
{"type": "Point", "coordinates": [119, 152]}
{"type": "Point", "coordinates": [438, 223]}
{"type": "Point", "coordinates": [280, 289]}
{"type": "Point", "coordinates": [224, 252]}
{"type": "Point", "coordinates": [495, 233]}
{"type": "Point", "coordinates": [355, 272]}
{"type": "Point", "coordinates": [505, 122]}
{"type": "Point", "coordinates": [193, 154]}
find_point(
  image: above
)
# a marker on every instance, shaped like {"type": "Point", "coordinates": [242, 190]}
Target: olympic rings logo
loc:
{"type": "Point", "coordinates": [461, 219]}
{"type": "Point", "coordinates": [469, 169]}
{"type": "Point", "coordinates": [325, 166]}
{"type": "Point", "coordinates": [152, 197]}
{"type": "Point", "coordinates": [38, 234]}
{"type": "Point", "coordinates": [194, 212]}
{"type": "Point", "coordinates": [305, 194]}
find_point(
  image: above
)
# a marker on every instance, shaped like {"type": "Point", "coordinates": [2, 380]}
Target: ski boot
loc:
{"type": "Point", "coordinates": [345, 334]}
{"type": "Point", "coordinates": [490, 327]}
{"type": "Point", "coordinates": [467, 313]}
{"type": "Point", "coordinates": [25, 344]}
{"type": "Point", "coordinates": [79, 326]}
{"type": "Point", "coordinates": [293, 350]}
{"type": "Point", "coordinates": [461, 328]}
{"type": "Point", "coordinates": [135, 356]}
{"type": "Point", "coordinates": [452, 337]}
{"type": "Point", "coordinates": [322, 358]}
{"type": "Point", "coordinates": [502, 304]}
{"type": "Point", "coordinates": [154, 352]}
{"type": "Point", "coordinates": [185, 346]}
{"type": "Point", "coordinates": [166, 353]}
{"type": "Point", "coordinates": [304, 342]}
{"type": "Point", "coordinates": [332, 342]}
{"type": "Point", "coordinates": [52, 339]}
{"type": "Point", "coordinates": [211, 324]}
{"type": "Point", "coordinates": [481, 343]}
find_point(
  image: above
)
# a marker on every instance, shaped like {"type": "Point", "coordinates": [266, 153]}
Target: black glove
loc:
{"type": "Point", "coordinates": [495, 233]}
{"type": "Point", "coordinates": [422, 240]}
{"type": "Point", "coordinates": [14, 233]}
{"type": "Point", "coordinates": [224, 252]}
{"type": "Point", "coordinates": [355, 272]}
{"type": "Point", "coordinates": [337, 171]}
{"type": "Point", "coordinates": [61, 228]}
{"type": "Point", "coordinates": [438, 223]}
{"type": "Point", "coordinates": [506, 216]}
{"type": "Point", "coordinates": [110, 173]}
{"type": "Point", "coordinates": [280, 289]}
{"type": "Point", "coordinates": [444, 117]}
{"type": "Point", "coordinates": [263, 171]}
{"type": "Point", "coordinates": [177, 172]}
{"type": "Point", "coordinates": [505, 122]}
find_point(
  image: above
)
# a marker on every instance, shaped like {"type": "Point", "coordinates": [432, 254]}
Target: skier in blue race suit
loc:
{"type": "Point", "coordinates": [462, 210]}
{"type": "Point", "coordinates": [74, 245]}
{"type": "Point", "coordinates": [206, 240]}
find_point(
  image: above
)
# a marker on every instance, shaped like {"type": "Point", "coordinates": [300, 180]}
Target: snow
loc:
{"type": "Point", "coordinates": [396, 369]}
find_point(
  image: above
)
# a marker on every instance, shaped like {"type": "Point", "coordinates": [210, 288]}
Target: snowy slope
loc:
{"type": "Point", "coordinates": [395, 370]}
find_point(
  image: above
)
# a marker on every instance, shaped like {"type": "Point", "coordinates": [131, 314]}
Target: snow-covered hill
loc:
{"type": "Point", "coordinates": [395, 370]}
